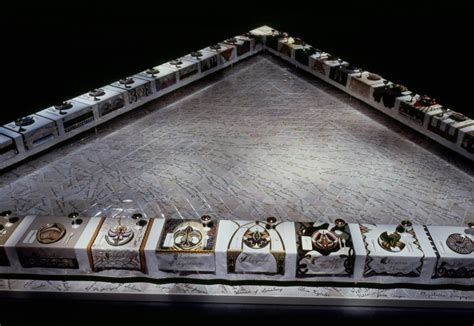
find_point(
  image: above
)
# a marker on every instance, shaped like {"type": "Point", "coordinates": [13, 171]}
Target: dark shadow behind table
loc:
{"type": "Point", "coordinates": [54, 312]}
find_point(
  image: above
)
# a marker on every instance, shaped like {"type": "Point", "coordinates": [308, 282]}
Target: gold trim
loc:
{"type": "Point", "coordinates": [280, 258]}
{"type": "Point", "coordinates": [91, 242]}
{"type": "Point", "coordinates": [231, 259]}
{"type": "Point", "coordinates": [143, 266]}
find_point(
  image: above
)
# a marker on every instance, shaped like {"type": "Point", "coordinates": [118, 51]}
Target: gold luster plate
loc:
{"type": "Point", "coordinates": [51, 233]}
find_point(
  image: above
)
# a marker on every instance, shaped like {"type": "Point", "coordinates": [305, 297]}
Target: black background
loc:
{"type": "Point", "coordinates": [57, 312]}
{"type": "Point", "coordinates": [55, 51]}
